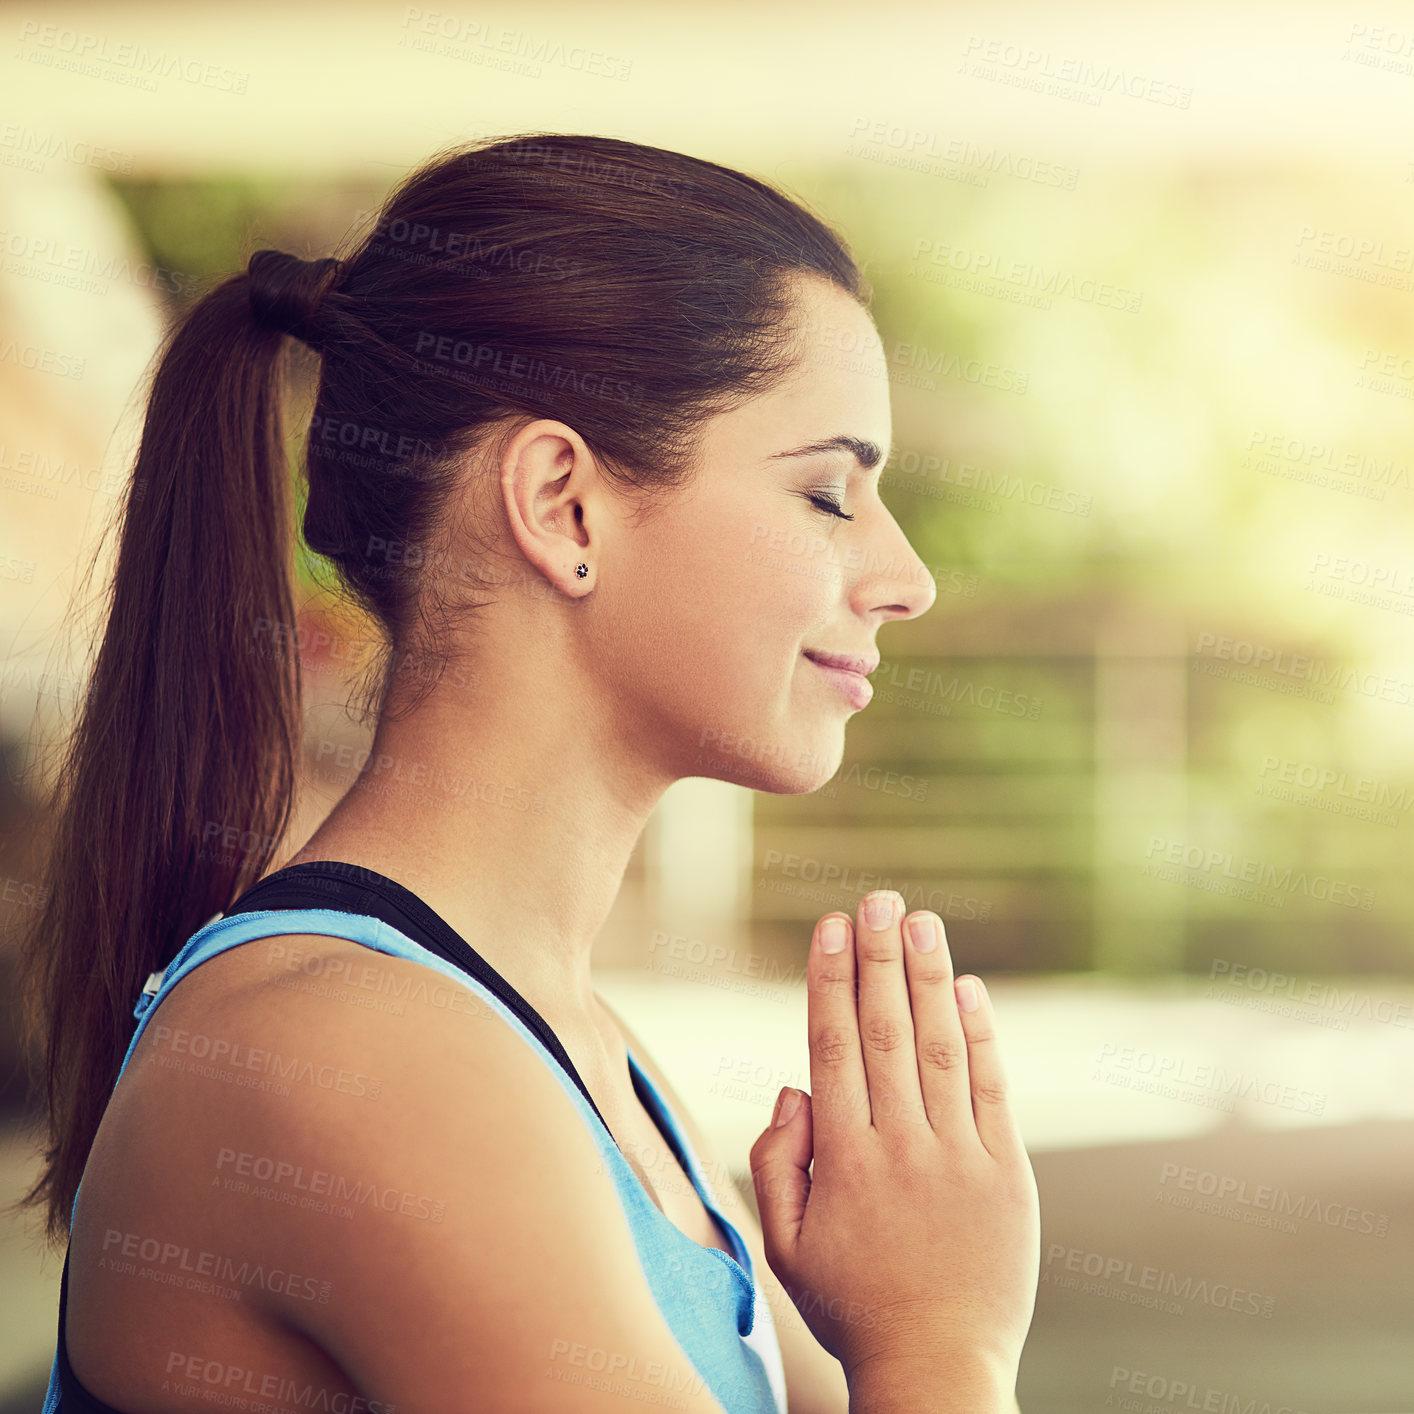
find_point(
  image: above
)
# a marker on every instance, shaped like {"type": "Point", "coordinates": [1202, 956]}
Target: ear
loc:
{"type": "Point", "coordinates": [549, 484]}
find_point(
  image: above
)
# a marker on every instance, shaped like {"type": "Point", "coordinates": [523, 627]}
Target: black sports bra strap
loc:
{"type": "Point", "coordinates": [351, 888]}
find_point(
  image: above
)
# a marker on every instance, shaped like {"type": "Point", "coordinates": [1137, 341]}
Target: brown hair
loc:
{"type": "Point", "coordinates": [625, 290]}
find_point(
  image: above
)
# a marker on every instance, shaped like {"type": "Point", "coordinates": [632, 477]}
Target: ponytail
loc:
{"type": "Point", "coordinates": [184, 751]}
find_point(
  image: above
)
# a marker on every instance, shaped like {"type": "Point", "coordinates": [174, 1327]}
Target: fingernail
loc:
{"type": "Point", "coordinates": [879, 909]}
{"type": "Point", "coordinates": [967, 997]}
{"type": "Point", "coordinates": [923, 932]}
{"type": "Point", "coordinates": [833, 935]}
{"type": "Point", "coordinates": [787, 1102]}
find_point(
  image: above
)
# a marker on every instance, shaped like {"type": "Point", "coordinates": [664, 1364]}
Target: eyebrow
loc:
{"type": "Point", "coordinates": [866, 453]}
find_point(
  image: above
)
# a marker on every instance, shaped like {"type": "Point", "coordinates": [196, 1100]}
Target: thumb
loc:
{"type": "Point", "coordinates": [780, 1171]}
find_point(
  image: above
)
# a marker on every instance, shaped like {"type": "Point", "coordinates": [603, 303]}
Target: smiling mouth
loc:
{"type": "Point", "coordinates": [850, 680]}
{"type": "Point", "coordinates": [844, 662]}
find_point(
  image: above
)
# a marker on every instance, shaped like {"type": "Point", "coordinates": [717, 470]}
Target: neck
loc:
{"type": "Point", "coordinates": [513, 814]}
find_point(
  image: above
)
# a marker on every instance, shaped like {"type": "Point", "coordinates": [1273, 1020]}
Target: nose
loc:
{"type": "Point", "coordinates": [892, 582]}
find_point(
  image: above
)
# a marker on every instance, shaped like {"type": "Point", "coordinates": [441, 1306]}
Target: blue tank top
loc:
{"type": "Point", "coordinates": [711, 1302]}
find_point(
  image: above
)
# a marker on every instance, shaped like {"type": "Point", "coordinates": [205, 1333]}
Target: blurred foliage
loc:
{"type": "Point", "coordinates": [207, 228]}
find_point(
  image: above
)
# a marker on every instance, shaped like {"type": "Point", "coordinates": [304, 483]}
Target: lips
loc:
{"type": "Point", "coordinates": [847, 662]}
{"type": "Point", "coordinates": [847, 671]}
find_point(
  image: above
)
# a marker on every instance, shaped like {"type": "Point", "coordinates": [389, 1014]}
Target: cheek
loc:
{"type": "Point", "coordinates": [794, 580]}
{"type": "Point", "coordinates": [721, 606]}
{"type": "Point", "coordinates": [759, 591]}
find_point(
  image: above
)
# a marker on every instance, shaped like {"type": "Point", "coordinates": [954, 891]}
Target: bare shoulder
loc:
{"type": "Point", "coordinates": [377, 1129]}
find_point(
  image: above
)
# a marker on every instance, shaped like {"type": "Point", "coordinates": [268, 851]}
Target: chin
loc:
{"type": "Point", "coordinates": [794, 763]}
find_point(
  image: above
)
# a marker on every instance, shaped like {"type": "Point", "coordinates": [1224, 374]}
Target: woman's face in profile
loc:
{"type": "Point", "coordinates": [719, 596]}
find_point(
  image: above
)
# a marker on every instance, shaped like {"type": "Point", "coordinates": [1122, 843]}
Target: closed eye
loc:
{"type": "Point", "coordinates": [828, 504]}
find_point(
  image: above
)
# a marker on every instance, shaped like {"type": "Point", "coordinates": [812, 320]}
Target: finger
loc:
{"type": "Point", "coordinates": [991, 1095]}
{"type": "Point", "coordinates": [886, 1018]}
{"type": "Point", "coordinates": [837, 1083]}
{"type": "Point", "coordinates": [940, 1043]}
{"type": "Point", "coordinates": [780, 1173]}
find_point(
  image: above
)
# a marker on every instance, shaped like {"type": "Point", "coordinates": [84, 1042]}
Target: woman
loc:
{"type": "Point", "coordinates": [596, 440]}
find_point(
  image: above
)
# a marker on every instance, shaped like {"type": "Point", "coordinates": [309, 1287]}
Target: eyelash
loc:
{"type": "Point", "coordinates": [825, 503]}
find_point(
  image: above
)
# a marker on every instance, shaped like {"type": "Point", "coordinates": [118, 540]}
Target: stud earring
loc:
{"type": "Point", "coordinates": [581, 570]}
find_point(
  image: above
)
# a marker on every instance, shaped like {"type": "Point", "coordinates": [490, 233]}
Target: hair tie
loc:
{"type": "Point", "coordinates": [286, 292]}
